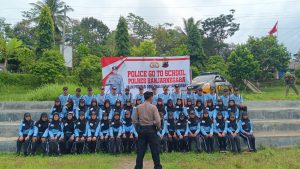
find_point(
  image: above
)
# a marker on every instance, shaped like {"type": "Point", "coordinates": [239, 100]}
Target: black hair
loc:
{"type": "Point", "coordinates": [148, 95]}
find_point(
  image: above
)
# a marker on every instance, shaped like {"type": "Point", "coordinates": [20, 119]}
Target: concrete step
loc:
{"type": "Point", "coordinates": [278, 139]}
{"type": "Point", "coordinates": [18, 115]}
{"type": "Point", "coordinates": [29, 105]}
{"type": "Point", "coordinates": [274, 104]}
{"type": "Point", "coordinates": [274, 113]}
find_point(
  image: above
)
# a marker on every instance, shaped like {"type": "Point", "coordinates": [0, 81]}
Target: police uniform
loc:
{"type": "Point", "coordinates": [26, 128]}
{"type": "Point", "coordinates": [115, 80]}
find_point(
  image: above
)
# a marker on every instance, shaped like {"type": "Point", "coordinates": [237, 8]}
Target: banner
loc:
{"type": "Point", "coordinates": [147, 72]}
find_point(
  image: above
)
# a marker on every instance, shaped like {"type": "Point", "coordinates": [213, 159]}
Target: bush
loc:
{"type": "Point", "coordinates": [195, 71]}
{"type": "Point", "coordinates": [50, 68]}
{"type": "Point", "coordinates": [297, 74]}
{"type": "Point", "coordinates": [19, 79]}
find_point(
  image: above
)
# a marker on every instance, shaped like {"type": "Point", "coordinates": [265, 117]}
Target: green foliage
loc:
{"type": "Point", "coordinates": [194, 42]}
{"type": "Point", "coordinates": [81, 50]}
{"type": "Point", "coordinates": [269, 53]}
{"type": "Point", "coordinates": [122, 38]}
{"type": "Point", "coordinates": [297, 73]}
{"type": "Point", "coordinates": [242, 65]}
{"type": "Point", "coordinates": [7, 49]}
{"type": "Point", "coordinates": [195, 71]}
{"type": "Point", "coordinates": [18, 79]}
{"type": "Point", "coordinates": [217, 64]}
{"type": "Point", "coordinates": [216, 30]}
{"type": "Point", "coordinates": [45, 31]}
{"type": "Point", "coordinates": [26, 58]}
{"type": "Point", "coordinates": [167, 39]}
{"type": "Point", "coordinates": [50, 68]}
{"type": "Point", "coordinates": [91, 32]}
{"type": "Point", "coordinates": [139, 27]}
{"type": "Point", "coordinates": [182, 50]}
{"type": "Point", "coordinates": [89, 71]}
{"type": "Point", "coordinates": [146, 48]}
{"type": "Point", "coordinates": [26, 33]}
{"type": "Point", "coordinates": [109, 46]}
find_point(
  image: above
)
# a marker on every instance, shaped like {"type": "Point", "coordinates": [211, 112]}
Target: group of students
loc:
{"type": "Point", "coordinates": [86, 124]}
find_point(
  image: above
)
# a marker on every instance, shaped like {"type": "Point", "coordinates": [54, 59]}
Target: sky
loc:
{"type": "Point", "coordinates": [256, 17]}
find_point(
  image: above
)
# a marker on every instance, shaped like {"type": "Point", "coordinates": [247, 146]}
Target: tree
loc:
{"type": "Point", "coordinates": [7, 49]}
{"type": "Point", "coordinates": [109, 45]}
{"type": "Point", "coordinates": [216, 30]}
{"type": "Point", "coordinates": [217, 64]}
{"type": "Point", "coordinates": [139, 27]}
{"type": "Point", "coordinates": [167, 39]}
{"type": "Point", "coordinates": [26, 33]}
{"type": "Point", "coordinates": [91, 32]}
{"type": "Point", "coordinates": [122, 38]}
{"type": "Point", "coordinates": [50, 68]}
{"type": "Point", "coordinates": [194, 42]}
{"type": "Point", "coordinates": [45, 31]}
{"type": "Point", "coordinates": [271, 55]}
{"type": "Point", "coordinates": [89, 71]}
{"type": "Point", "coordinates": [179, 51]}
{"type": "Point", "coordinates": [242, 65]}
{"type": "Point", "coordinates": [57, 9]}
{"type": "Point", "coordinates": [5, 29]}
{"type": "Point", "coordinates": [146, 48]}
{"type": "Point", "coordinates": [26, 58]}
{"type": "Point", "coordinates": [81, 51]}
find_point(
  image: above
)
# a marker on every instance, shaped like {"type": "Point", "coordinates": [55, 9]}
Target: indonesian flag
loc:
{"type": "Point", "coordinates": [274, 29]}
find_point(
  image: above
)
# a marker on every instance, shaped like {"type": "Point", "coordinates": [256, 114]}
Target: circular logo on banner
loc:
{"type": "Point", "coordinates": [154, 65]}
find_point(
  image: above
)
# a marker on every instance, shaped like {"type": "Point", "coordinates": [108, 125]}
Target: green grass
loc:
{"type": "Point", "coordinates": [267, 158]}
{"type": "Point", "coordinates": [51, 91]}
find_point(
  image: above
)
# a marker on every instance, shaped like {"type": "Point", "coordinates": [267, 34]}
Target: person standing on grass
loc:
{"type": "Point", "coordinates": [147, 121]}
{"type": "Point", "coordinates": [290, 82]}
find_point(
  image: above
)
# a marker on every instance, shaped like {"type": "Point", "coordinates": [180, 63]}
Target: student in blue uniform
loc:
{"type": "Point", "coordinates": [54, 133]}
{"type": "Point", "coordinates": [233, 108]}
{"type": "Point", "coordinates": [225, 97]}
{"type": "Point", "coordinates": [89, 96]}
{"type": "Point", "coordinates": [76, 98]}
{"type": "Point", "coordinates": [200, 95]}
{"type": "Point", "coordinates": [160, 106]}
{"type": "Point", "coordinates": [171, 133]}
{"type": "Point", "coordinates": [127, 96]}
{"type": "Point", "coordinates": [40, 128]}
{"type": "Point", "coordinates": [113, 96]}
{"type": "Point", "coordinates": [94, 107]}
{"type": "Point", "coordinates": [165, 96]}
{"type": "Point", "coordinates": [57, 107]}
{"type": "Point", "coordinates": [162, 133]}
{"type": "Point", "coordinates": [238, 99]}
{"type": "Point", "coordinates": [220, 131]}
{"type": "Point", "coordinates": [129, 134]}
{"type": "Point", "coordinates": [177, 94]}
{"type": "Point", "coordinates": [182, 133]}
{"type": "Point", "coordinates": [220, 107]}
{"type": "Point", "coordinates": [169, 108]}
{"type": "Point", "coordinates": [199, 107]}
{"type": "Point", "coordinates": [81, 107]}
{"type": "Point", "coordinates": [233, 129]}
{"type": "Point", "coordinates": [211, 109]}
{"type": "Point", "coordinates": [206, 127]}
{"type": "Point", "coordinates": [80, 133]}
{"type": "Point", "coordinates": [189, 95]}
{"type": "Point", "coordinates": [69, 106]}
{"type": "Point", "coordinates": [140, 95]}
{"type": "Point", "coordinates": [26, 129]}
{"type": "Point", "coordinates": [93, 129]}
{"type": "Point", "coordinates": [246, 131]}
{"type": "Point", "coordinates": [155, 95]}
{"type": "Point", "coordinates": [101, 97]}
{"type": "Point", "coordinates": [193, 131]}
{"type": "Point", "coordinates": [106, 109]}
{"type": "Point", "coordinates": [178, 108]}
{"type": "Point", "coordinates": [137, 103]}
{"type": "Point", "coordinates": [212, 96]}
{"type": "Point", "coordinates": [128, 106]}
{"type": "Point", "coordinates": [115, 133]}
{"type": "Point", "coordinates": [64, 96]}
{"type": "Point", "coordinates": [67, 137]}
{"type": "Point", "coordinates": [188, 106]}
{"type": "Point", "coordinates": [117, 109]}
{"type": "Point", "coordinates": [104, 133]}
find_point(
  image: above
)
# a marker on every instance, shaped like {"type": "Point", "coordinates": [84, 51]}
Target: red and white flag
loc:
{"type": "Point", "coordinates": [274, 29]}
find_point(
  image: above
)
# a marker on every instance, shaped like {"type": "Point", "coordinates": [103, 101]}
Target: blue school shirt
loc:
{"type": "Point", "coordinates": [176, 96]}
{"type": "Point", "coordinates": [100, 99]}
{"type": "Point", "coordinates": [113, 98]}
{"type": "Point", "coordinates": [141, 97]}
{"type": "Point", "coordinates": [200, 97]}
{"type": "Point", "coordinates": [189, 96]}
{"type": "Point", "coordinates": [88, 99]}
{"type": "Point", "coordinates": [237, 98]}
{"type": "Point", "coordinates": [225, 100]}
{"type": "Point", "coordinates": [213, 97]}
{"type": "Point", "coordinates": [165, 97]}
{"type": "Point", "coordinates": [26, 131]}
{"type": "Point", "coordinates": [91, 130]}
{"type": "Point", "coordinates": [129, 128]}
{"type": "Point", "coordinates": [76, 99]}
{"type": "Point", "coordinates": [217, 128]}
{"type": "Point", "coordinates": [63, 99]}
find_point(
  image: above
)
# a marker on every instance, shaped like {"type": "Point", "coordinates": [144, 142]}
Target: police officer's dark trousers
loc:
{"type": "Point", "coordinates": [148, 135]}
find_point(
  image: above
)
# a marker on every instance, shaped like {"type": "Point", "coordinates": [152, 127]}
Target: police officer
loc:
{"type": "Point", "coordinates": [26, 129]}
{"type": "Point", "coordinates": [115, 80]}
{"type": "Point", "coordinates": [39, 129]}
{"type": "Point", "coordinates": [290, 82]}
{"type": "Point", "coordinates": [148, 121]}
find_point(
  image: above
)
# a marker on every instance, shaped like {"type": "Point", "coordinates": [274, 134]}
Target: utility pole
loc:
{"type": "Point", "coordinates": [64, 31]}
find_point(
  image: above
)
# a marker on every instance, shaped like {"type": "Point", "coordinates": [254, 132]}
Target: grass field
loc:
{"type": "Point", "coordinates": [51, 91]}
{"type": "Point", "coordinates": [266, 158]}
